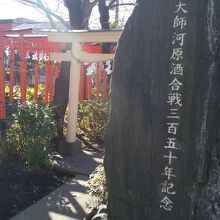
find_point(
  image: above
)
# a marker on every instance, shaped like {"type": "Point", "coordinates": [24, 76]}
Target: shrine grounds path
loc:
{"type": "Point", "coordinates": [70, 201]}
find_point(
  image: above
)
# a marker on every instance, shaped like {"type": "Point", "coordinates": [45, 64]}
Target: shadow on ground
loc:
{"type": "Point", "coordinates": [69, 201]}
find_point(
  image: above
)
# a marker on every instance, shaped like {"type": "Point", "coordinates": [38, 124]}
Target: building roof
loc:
{"type": "Point", "coordinates": [23, 23]}
{"type": "Point", "coordinates": [5, 21]}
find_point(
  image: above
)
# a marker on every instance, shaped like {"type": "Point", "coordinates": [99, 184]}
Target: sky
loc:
{"type": "Point", "coordinates": [10, 9]}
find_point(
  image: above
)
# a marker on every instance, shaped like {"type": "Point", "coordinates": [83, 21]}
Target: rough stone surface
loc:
{"type": "Point", "coordinates": [137, 129]}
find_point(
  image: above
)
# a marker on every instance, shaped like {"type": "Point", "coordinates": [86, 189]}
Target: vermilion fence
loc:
{"type": "Point", "coordinates": [25, 60]}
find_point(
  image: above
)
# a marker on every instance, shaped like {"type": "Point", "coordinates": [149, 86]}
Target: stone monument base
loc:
{"type": "Point", "coordinates": [70, 148]}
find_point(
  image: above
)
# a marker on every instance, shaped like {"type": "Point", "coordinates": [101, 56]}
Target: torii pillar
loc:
{"type": "Point", "coordinates": [76, 56]}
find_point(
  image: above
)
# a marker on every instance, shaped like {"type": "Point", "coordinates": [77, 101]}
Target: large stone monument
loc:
{"type": "Point", "coordinates": [162, 141]}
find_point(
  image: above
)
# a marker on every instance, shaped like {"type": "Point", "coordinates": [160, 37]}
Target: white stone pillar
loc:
{"type": "Point", "coordinates": [73, 93]}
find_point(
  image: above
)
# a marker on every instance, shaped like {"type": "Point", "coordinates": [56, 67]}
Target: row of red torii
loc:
{"type": "Point", "coordinates": [81, 52]}
{"type": "Point", "coordinates": [40, 49]}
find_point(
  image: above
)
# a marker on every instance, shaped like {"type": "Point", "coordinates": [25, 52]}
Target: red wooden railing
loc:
{"type": "Point", "coordinates": [92, 75]}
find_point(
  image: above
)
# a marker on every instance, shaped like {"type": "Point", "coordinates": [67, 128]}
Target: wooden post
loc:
{"type": "Point", "coordinates": [50, 82]}
{"type": "Point", "coordinates": [81, 90]}
{"type": "Point", "coordinates": [23, 70]}
{"type": "Point", "coordinates": [104, 83]}
{"type": "Point", "coordinates": [2, 84]}
{"type": "Point", "coordinates": [73, 94]}
{"type": "Point", "coordinates": [36, 80]}
{"type": "Point", "coordinates": [88, 87]}
{"type": "Point", "coordinates": [46, 82]}
{"type": "Point", "coordinates": [98, 80]}
{"type": "Point", "coordinates": [11, 92]}
{"type": "Point", "coordinates": [57, 69]}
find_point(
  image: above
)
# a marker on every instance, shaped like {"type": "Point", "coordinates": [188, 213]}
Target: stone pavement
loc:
{"type": "Point", "coordinates": [69, 202]}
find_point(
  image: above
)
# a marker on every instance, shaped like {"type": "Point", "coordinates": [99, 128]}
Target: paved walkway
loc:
{"type": "Point", "coordinates": [69, 202]}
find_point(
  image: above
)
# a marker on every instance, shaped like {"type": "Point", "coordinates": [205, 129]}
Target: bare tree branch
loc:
{"type": "Point", "coordinates": [87, 7]}
{"type": "Point", "coordinates": [65, 23]}
{"type": "Point", "coordinates": [111, 3]}
{"type": "Point", "coordinates": [47, 12]}
{"type": "Point", "coordinates": [29, 3]}
{"type": "Point", "coordinates": [121, 4]}
{"type": "Point", "coordinates": [44, 8]}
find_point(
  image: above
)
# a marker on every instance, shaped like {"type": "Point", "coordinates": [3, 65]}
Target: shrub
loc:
{"type": "Point", "coordinates": [29, 93]}
{"type": "Point", "coordinates": [3, 149]}
{"type": "Point", "coordinates": [98, 185]}
{"type": "Point", "coordinates": [12, 107]}
{"type": "Point", "coordinates": [92, 119]}
{"type": "Point", "coordinates": [29, 135]}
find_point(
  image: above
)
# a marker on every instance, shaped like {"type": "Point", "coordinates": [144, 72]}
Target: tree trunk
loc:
{"type": "Point", "coordinates": [75, 13]}
{"type": "Point", "coordinates": [105, 24]}
{"type": "Point", "coordinates": [104, 15]}
{"type": "Point", "coordinates": [87, 7]}
{"type": "Point", "coordinates": [61, 94]}
{"type": "Point", "coordinates": [163, 139]}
